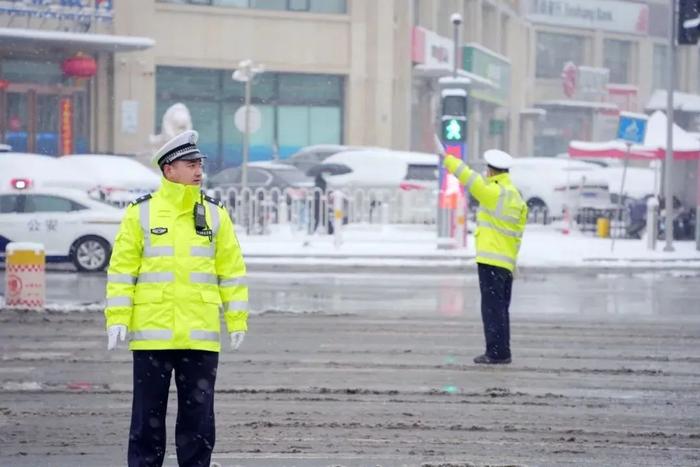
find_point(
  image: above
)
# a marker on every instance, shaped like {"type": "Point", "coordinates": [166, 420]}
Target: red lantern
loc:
{"type": "Point", "coordinates": [4, 84]}
{"type": "Point", "coordinates": [79, 66]}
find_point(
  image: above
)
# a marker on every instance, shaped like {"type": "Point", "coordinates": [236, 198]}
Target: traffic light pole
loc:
{"type": "Point", "coordinates": [668, 164]}
{"type": "Point", "coordinates": [457, 136]}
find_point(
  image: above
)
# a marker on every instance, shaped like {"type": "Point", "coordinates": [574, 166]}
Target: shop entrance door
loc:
{"type": "Point", "coordinates": [44, 119]}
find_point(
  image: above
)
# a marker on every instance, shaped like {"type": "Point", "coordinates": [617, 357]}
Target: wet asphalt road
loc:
{"type": "Point", "coordinates": [365, 369]}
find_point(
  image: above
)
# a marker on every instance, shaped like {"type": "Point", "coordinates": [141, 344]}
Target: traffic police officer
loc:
{"type": "Point", "coordinates": [501, 222]}
{"type": "Point", "coordinates": [176, 263]}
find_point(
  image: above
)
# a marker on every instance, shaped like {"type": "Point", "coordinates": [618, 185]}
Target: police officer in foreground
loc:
{"type": "Point", "coordinates": [176, 263]}
{"type": "Point", "coordinates": [501, 222]}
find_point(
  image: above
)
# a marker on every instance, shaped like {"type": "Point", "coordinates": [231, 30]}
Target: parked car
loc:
{"type": "Point", "coordinates": [72, 226]}
{"type": "Point", "coordinates": [311, 156]}
{"type": "Point", "coordinates": [261, 174]}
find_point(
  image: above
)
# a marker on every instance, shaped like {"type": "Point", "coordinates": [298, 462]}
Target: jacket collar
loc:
{"type": "Point", "coordinates": [179, 195]}
{"type": "Point", "coordinates": [501, 179]}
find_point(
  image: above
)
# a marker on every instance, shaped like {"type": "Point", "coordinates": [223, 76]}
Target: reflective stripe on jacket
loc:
{"type": "Point", "coordinates": [501, 216]}
{"type": "Point", "coordinates": [167, 283]}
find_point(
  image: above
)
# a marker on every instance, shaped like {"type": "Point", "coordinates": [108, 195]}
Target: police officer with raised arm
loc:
{"type": "Point", "coordinates": [501, 222]}
{"type": "Point", "coordinates": [176, 263]}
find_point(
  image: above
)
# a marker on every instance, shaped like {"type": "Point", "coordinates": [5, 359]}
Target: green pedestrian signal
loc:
{"type": "Point", "coordinates": [453, 130]}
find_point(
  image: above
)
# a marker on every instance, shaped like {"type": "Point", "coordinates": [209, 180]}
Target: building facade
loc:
{"type": "Point", "coordinates": [360, 72]}
{"type": "Point", "coordinates": [56, 80]}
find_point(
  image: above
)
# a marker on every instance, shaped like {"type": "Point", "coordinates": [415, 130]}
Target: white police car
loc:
{"type": "Point", "coordinates": [71, 225]}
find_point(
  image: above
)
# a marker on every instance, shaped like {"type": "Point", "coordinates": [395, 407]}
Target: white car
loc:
{"type": "Point", "coordinates": [549, 184]}
{"type": "Point", "coordinates": [71, 225]}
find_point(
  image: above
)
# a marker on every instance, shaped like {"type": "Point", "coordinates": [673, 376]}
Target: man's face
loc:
{"type": "Point", "coordinates": [184, 172]}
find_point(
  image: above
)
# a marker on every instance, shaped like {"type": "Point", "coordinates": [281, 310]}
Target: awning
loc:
{"type": "Point", "coordinates": [14, 37]}
{"type": "Point", "coordinates": [439, 72]}
{"type": "Point", "coordinates": [685, 146]}
{"type": "Point", "coordinates": [592, 105]}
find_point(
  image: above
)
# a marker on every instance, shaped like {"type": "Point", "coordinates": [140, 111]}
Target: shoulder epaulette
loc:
{"type": "Point", "coordinates": [213, 200]}
{"type": "Point", "coordinates": [141, 199]}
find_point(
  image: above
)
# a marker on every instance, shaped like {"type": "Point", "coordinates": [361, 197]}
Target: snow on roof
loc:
{"type": "Point", "coordinates": [86, 41]}
{"type": "Point", "coordinates": [43, 171]}
{"type": "Point", "coordinates": [681, 101]}
{"type": "Point", "coordinates": [83, 172]}
{"type": "Point", "coordinates": [111, 171]}
{"type": "Point", "coordinates": [579, 104]}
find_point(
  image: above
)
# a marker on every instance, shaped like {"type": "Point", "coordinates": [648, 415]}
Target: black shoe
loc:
{"type": "Point", "coordinates": [486, 360]}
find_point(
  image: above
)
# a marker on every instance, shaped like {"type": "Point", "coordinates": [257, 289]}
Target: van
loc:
{"type": "Point", "coordinates": [408, 181]}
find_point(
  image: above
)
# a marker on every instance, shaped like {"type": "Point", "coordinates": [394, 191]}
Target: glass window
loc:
{"type": "Point", "coordinates": [258, 177]}
{"type": "Point", "coordinates": [205, 119]}
{"type": "Point", "coordinates": [296, 110]}
{"type": "Point", "coordinates": [186, 82]}
{"type": "Point", "coordinates": [618, 55]}
{"type": "Point", "coordinates": [554, 50]}
{"type": "Point", "coordinates": [325, 125]}
{"type": "Point", "coordinates": [46, 203]}
{"type": "Point", "coordinates": [317, 89]}
{"type": "Point", "coordinates": [293, 125]}
{"type": "Point", "coordinates": [328, 6]}
{"type": "Point", "coordinates": [269, 4]}
{"type": "Point", "coordinates": [263, 88]}
{"type": "Point", "coordinates": [31, 71]}
{"type": "Point", "coordinates": [8, 204]}
{"type": "Point", "coordinates": [660, 67]}
{"type": "Point", "coordinates": [299, 5]}
{"type": "Point", "coordinates": [231, 3]}
{"type": "Point", "coordinates": [421, 172]}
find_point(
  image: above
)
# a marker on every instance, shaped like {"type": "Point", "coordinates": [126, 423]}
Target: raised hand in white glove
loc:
{"type": "Point", "coordinates": [114, 332]}
{"type": "Point", "coordinates": [237, 339]}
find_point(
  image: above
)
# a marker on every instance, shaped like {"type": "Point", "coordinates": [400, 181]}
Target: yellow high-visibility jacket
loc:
{"type": "Point", "coordinates": [166, 282]}
{"type": "Point", "coordinates": [501, 217]}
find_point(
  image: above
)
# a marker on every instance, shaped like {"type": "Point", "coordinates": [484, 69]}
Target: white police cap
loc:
{"type": "Point", "coordinates": [498, 159]}
{"type": "Point", "coordinates": [181, 147]}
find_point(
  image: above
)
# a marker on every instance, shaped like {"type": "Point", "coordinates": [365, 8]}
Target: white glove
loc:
{"type": "Point", "coordinates": [118, 330]}
{"type": "Point", "coordinates": [236, 339]}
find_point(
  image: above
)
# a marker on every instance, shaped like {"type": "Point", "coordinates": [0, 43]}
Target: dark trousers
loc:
{"type": "Point", "coordinates": [195, 375]}
{"type": "Point", "coordinates": [495, 284]}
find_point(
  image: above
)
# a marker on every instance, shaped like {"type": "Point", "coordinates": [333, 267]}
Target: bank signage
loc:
{"type": "Point", "coordinates": [431, 49]}
{"type": "Point", "coordinates": [482, 62]}
{"type": "Point", "coordinates": [608, 15]}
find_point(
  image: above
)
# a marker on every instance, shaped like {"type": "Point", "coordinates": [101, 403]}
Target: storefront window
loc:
{"type": "Point", "coordinates": [31, 71]}
{"type": "Point", "coordinates": [269, 4]}
{"type": "Point", "coordinates": [315, 6]}
{"type": "Point", "coordinates": [309, 88]}
{"type": "Point", "coordinates": [617, 58]}
{"type": "Point", "coordinates": [554, 50]}
{"type": "Point", "coordinates": [231, 3]}
{"type": "Point", "coordinates": [328, 6]}
{"type": "Point", "coordinates": [297, 110]}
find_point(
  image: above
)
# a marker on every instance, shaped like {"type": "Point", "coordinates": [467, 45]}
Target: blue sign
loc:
{"type": "Point", "coordinates": [632, 128]}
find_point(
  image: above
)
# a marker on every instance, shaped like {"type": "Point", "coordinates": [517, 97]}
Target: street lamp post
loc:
{"type": "Point", "coordinates": [245, 73]}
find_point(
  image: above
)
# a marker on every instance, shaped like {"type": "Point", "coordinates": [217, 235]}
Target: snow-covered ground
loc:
{"type": "Point", "coordinates": [369, 245]}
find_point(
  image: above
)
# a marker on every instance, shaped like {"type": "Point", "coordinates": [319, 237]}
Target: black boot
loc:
{"type": "Point", "coordinates": [486, 360]}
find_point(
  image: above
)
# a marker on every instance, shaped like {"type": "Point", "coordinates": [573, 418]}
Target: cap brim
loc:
{"type": "Point", "coordinates": [191, 157]}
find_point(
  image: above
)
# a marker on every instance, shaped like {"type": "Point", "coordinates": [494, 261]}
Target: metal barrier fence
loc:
{"type": "Point", "coordinates": [312, 209]}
